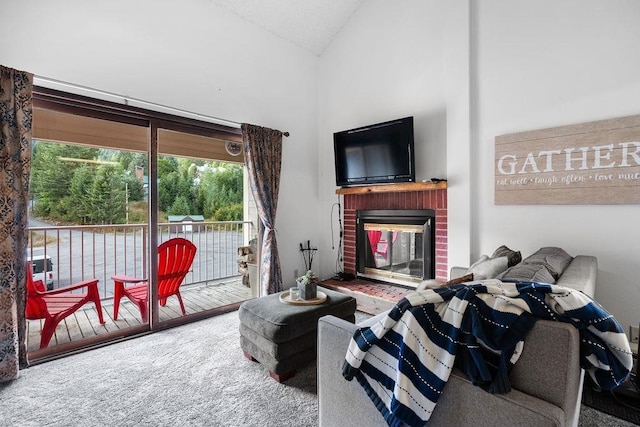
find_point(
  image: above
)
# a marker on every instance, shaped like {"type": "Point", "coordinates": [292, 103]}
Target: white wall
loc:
{"type": "Point", "coordinates": [544, 64]}
{"type": "Point", "coordinates": [388, 62]}
{"type": "Point", "coordinates": [498, 66]}
{"type": "Point", "coordinates": [189, 55]}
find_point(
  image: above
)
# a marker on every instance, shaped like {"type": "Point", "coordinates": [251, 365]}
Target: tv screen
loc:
{"type": "Point", "coordinates": [375, 154]}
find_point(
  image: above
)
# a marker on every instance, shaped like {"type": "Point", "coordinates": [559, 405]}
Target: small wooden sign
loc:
{"type": "Point", "coordinates": [583, 164]}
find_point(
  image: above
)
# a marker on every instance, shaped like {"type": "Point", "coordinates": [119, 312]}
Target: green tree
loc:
{"type": "Point", "coordinates": [53, 169]}
{"type": "Point", "coordinates": [133, 186]}
{"type": "Point", "coordinates": [180, 206]}
{"type": "Point", "coordinates": [176, 179]}
{"type": "Point", "coordinates": [166, 165]}
{"type": "Point", "coordinates": [107, 196]}
{"type": "Point", "coordinates": [167, 190]}
{"type": "Point", "coordinates": [81, 183]}
{"type": "Point", "coordinates": [129, 160]}
{"type": "Point", "coordinates": [229, 213]}
{"type": "Point", "coordinates": [220, 189]}
{"type": "Point", "coordinates": [167, 182]}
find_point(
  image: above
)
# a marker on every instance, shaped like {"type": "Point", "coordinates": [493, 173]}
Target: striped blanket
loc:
{"type": "Point", "coordinates": [404, 360]}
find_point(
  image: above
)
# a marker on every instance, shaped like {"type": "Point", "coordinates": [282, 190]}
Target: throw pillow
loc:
{"type": "Point", "coordinates": [488, 268]}
{"type": "Point", "coordinates": [480, 260]}
{"type": "Point", "coordinates": [527, 273]}
{"type": "Point", "coordinates": [554, 259]}
{"type": "Point", "coordinates": [514, 256]}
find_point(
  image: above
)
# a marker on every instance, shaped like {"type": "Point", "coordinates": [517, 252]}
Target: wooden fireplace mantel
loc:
{"type": "Point", "coordinates": [389, 188]}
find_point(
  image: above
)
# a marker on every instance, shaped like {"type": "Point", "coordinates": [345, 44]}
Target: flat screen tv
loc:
{"type": "Point", "coordinates": [375, 154]}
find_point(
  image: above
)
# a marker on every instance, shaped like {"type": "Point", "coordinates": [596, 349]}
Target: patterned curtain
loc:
{"type": "Point", "coordinates": [263, 157]}
{"type": "Point", "coordinates": [15, 163]}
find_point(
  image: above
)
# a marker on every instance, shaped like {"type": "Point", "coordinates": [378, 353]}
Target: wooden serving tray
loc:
{"type": "Point", "coordinates": [320, 298]}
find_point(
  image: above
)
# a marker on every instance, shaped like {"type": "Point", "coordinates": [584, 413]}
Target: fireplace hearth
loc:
{"type": "Point", "coordinates": [396, 245]}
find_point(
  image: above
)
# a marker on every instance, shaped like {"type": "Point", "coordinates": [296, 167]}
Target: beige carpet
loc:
{"type": "Point", "coordinates": [193, 375]}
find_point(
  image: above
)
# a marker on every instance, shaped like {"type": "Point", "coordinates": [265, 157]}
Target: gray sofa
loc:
{"type": "Point", "coordinates": [546, 381]}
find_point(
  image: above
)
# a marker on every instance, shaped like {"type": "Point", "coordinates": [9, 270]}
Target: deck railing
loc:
{"type": "Point", "coordinates": [85, 252]}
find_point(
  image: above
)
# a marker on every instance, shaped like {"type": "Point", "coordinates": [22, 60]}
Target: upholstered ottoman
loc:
{"type": "Point", "coordinates": [283, 337]}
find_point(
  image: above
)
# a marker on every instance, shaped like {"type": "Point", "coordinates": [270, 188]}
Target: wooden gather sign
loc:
{"type": "Point", "coordinates": [583, 164]}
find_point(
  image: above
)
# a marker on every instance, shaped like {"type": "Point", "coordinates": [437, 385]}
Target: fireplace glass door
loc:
{"type": "Point", "coordinates": [394, 248]}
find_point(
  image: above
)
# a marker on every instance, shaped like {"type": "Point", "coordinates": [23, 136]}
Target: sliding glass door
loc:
{"type": "Point", "coordinates": [200, 199]}
{"type": "Point", "coordinates": [110, 185]}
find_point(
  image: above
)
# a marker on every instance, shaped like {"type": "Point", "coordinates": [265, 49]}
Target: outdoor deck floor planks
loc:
{"type": "Point", "coordinates": [84, 323]}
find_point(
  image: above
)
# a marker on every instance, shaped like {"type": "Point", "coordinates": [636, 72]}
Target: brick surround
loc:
{"type": "Point", "coordinates": [422, 199]}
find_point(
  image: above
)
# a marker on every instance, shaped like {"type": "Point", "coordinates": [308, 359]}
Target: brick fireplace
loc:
{"type": "Point", "coordinates": [408, 196]}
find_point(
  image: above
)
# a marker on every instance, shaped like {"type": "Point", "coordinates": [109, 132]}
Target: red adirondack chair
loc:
{"type": "Point", "coordinates": [175, 257]}
{"type": "Point", "coordinates": [53, 306]}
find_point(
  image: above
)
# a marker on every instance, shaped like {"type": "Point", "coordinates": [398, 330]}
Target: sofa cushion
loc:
{"type": "Point", "coordinates": [527, 273]}
{"type": "Point", "coordinates": [488, 268]}
{"type": "Point", "coordinates": [514, 256]}
{"type": "Point", "coordinates": [581, 275]}
{"type": "Point", "coordinates": [554, 259]}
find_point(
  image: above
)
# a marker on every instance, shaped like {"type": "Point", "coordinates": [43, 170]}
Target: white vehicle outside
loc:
{"type": "Point", "coordinates": [42, 269]}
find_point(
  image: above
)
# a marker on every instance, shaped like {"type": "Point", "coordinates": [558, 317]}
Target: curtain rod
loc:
{"type": "Point", "coordinates": [126, 100]}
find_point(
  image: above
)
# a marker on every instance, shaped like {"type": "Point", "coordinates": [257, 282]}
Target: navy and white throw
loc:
{"type": "Point", "coordinates": [404, 360]}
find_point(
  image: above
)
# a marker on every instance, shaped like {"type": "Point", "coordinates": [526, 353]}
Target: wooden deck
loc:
{"type": "Point", "coordinates": [84, 324]}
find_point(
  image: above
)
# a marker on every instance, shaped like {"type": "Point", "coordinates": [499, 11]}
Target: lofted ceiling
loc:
{"type": "Point", "coordinates": [310, 24]}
